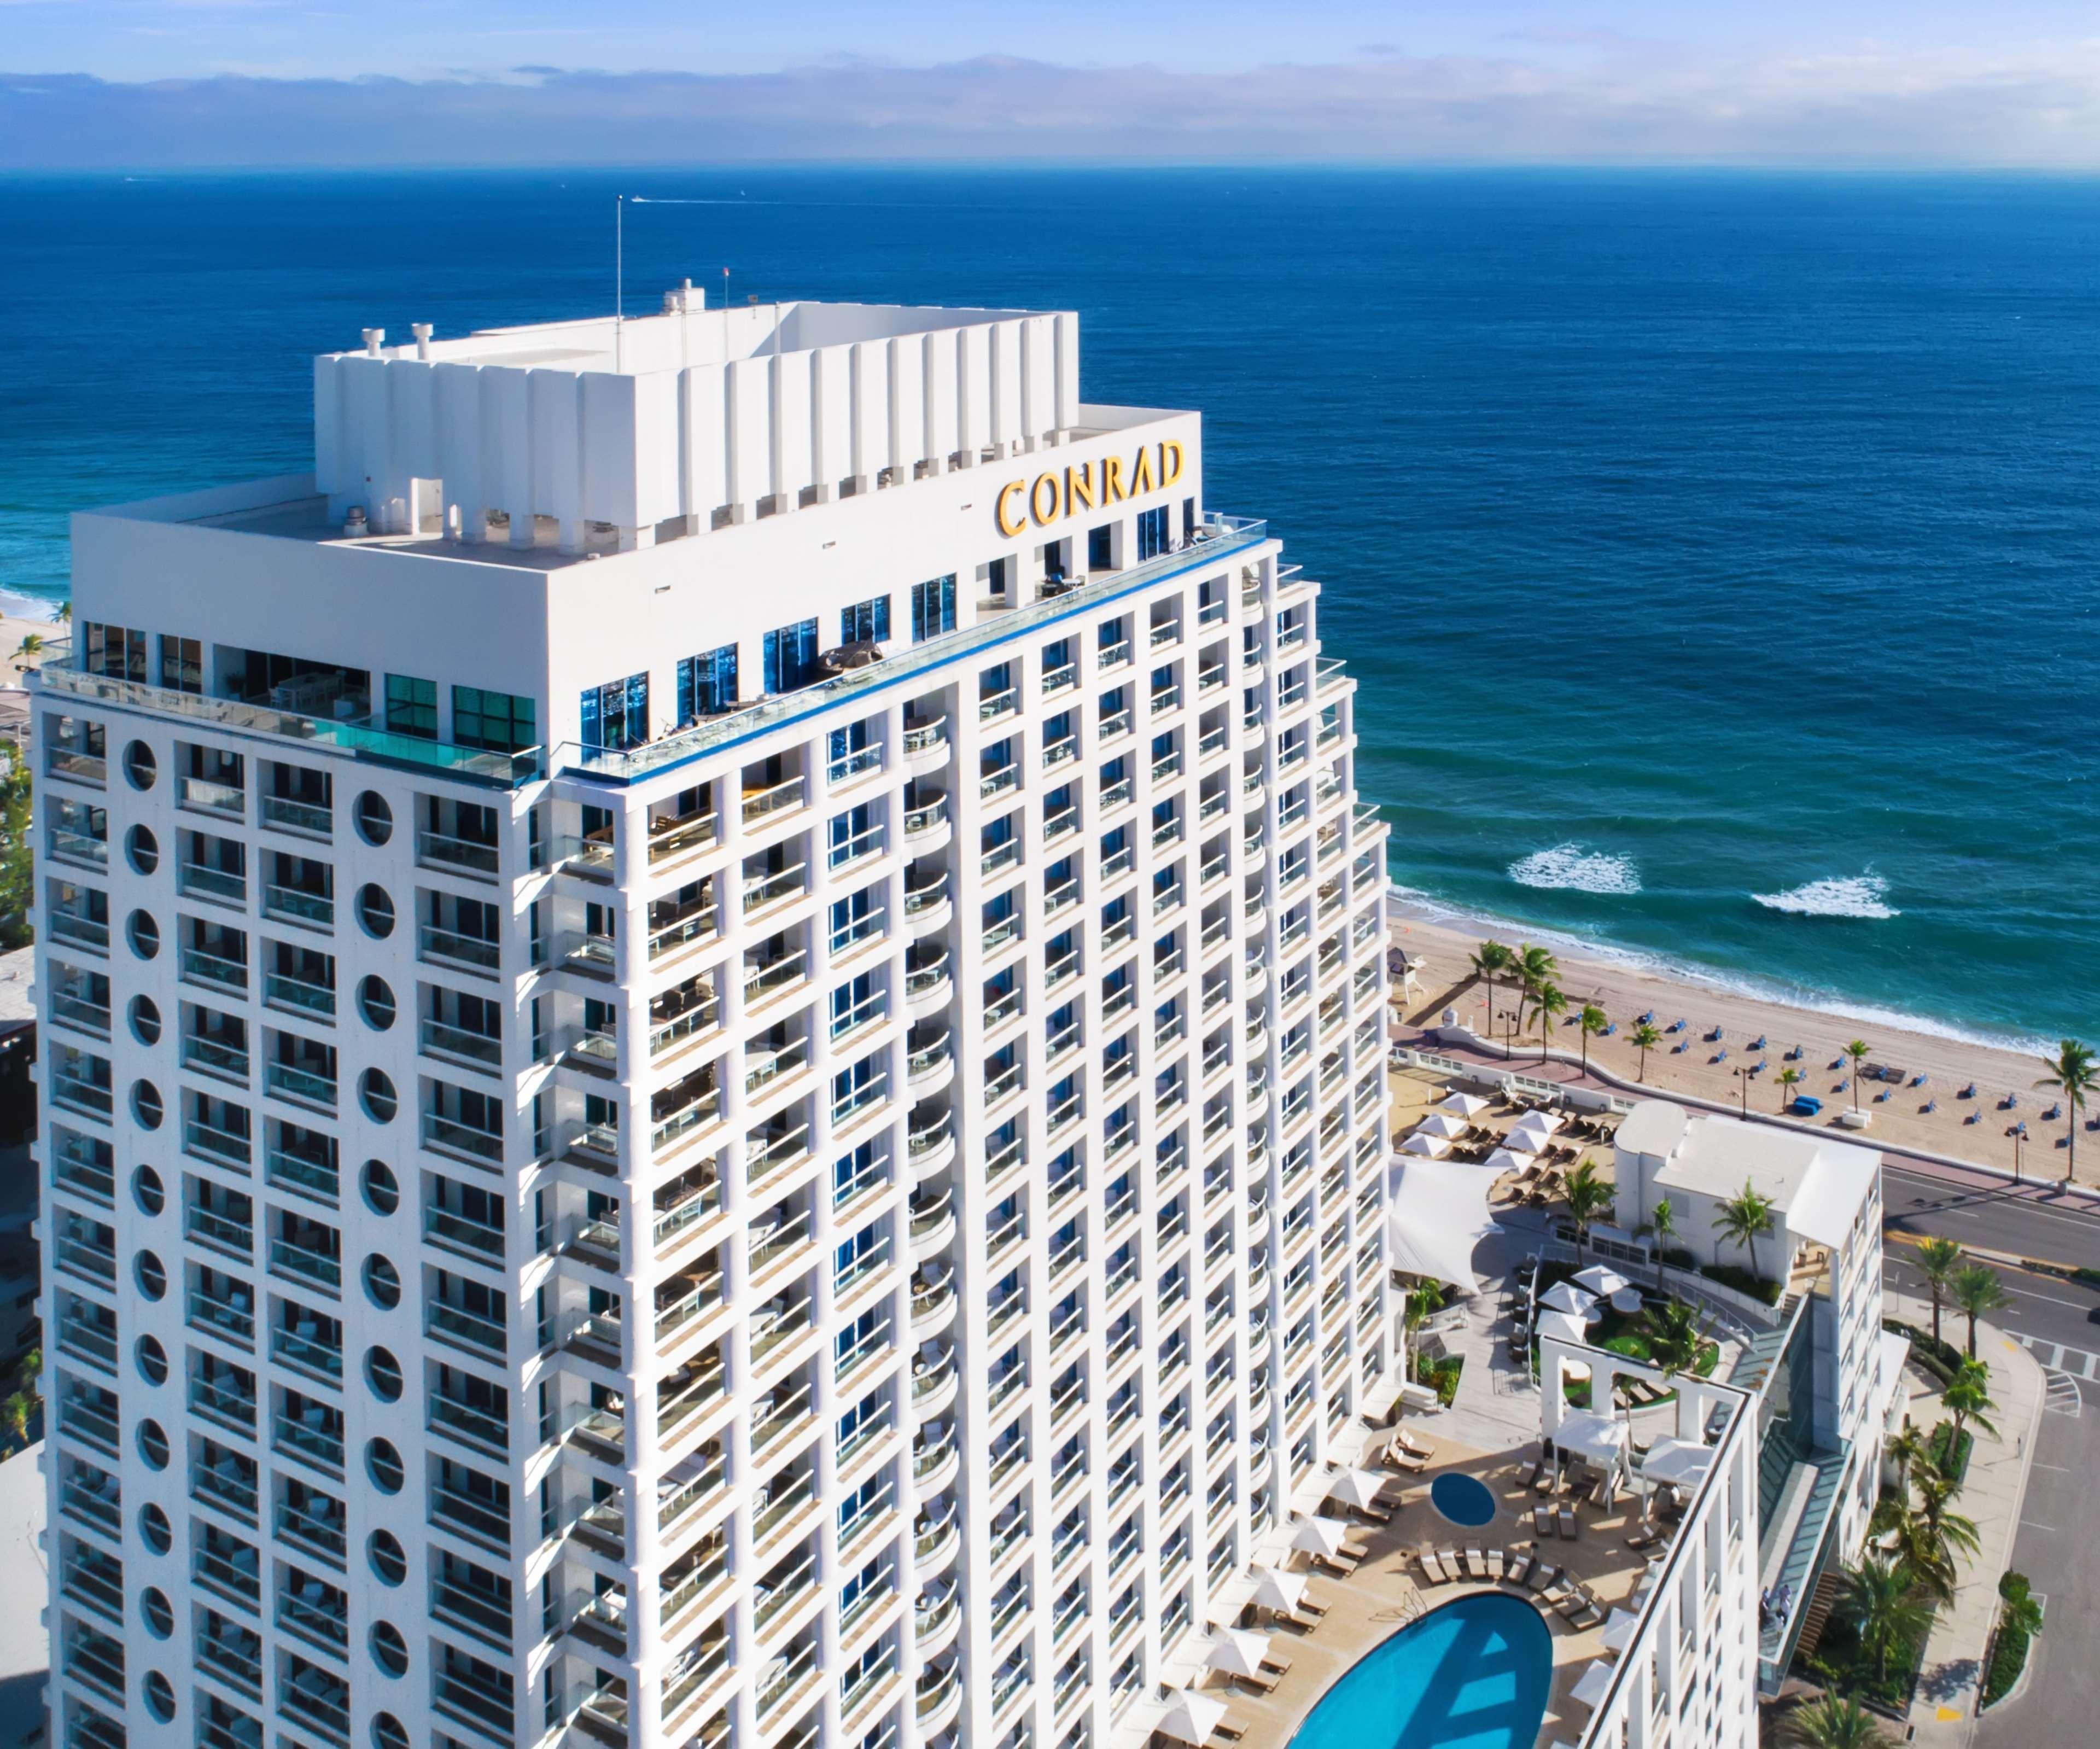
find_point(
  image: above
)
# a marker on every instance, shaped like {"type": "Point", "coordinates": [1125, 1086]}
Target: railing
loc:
{"type": "Point", "coordinates": [298, 816]}
{"type": "Point", "coordinates": [297, 905]}
{"type": "Point", "coordinates": [462, 856]}
{"type": "Point", "coordinates": [759, 803]}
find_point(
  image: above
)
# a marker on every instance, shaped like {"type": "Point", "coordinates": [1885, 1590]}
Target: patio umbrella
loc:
{"type": "Point", "coordinates": [1429, 1147]}
{"type": "Point", "coordinates": [1626, 1300]}
{"type": "Point", "coordinates": [1544, 1123]}
{"type": "Point", "coordinates": [1237, 1651]}
{"type": "Point", "coordinates": [1321, 1536]}
{"type": "Point", "coordinates": [1675, 1462]}
{"type": "Point", "coordinates": [1441, 1124]}
{"type": "Point", "coordinates": [1595, 1681]}
{"type": "Point", "coordinates": [1565, 1296]}
{"type": "Point", "coordinates": [1190, 1718]}
{"type": "Point", "coordinates": [1355, 1487]}
{"type": "Point", "coordinates": [1601, 1279]}
{"type": "Point", "coordinates": [1465, 1105]}
{"type": "Point", "coordinates": [1277, 1590]}
{"type": "Point", "coordinates": [1564, 1325]}
{"type": "Point", "coordinates": [1503, 1160]}
{"type": "Point", "coordinates": [1619, 1629]}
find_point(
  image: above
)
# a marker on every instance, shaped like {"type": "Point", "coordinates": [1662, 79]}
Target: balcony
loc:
{"type": "Point", "coordinates": [454, 855]}
{"type": "Point", "coordinates": [770, 802]}
{"type": "Point", "coordinates": [295, 904]}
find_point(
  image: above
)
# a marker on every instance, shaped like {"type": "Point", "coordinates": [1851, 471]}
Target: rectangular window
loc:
{"type": "Point", "coordinates": [412, 707]}
{"type": "Point", "coordinates": [791, 656]}
{"type": "Point", "coordinates": [706, 684]}
{"type": "Point", "coordinates": [501, 722]}
{"type": "Point", "coordinates": [1151, 533]}
{"type": "Point", "coordinates": [1188, 518]}
{"type": "Point", "coordinates": [114, 651]}
{"type": "Point", "coordinates": [1100, 548]}
{"type": "Point", "coordinates": [932, 608]}
{"type": "Point", "coordinates": [865, 622]}
{"type": "Point", "coordinates": [998, 575]}
{"type": "Point", "coordinates": [615, 715]}
{"type": "Point", "coordinates": [854, 834]}
{"type": "Point", "coordinates": [181, 664]}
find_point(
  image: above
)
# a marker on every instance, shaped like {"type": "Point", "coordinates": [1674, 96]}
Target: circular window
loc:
{"type": "Point", "coordinates": [382, 1192]}
{"type": "Point", "coordinates": [382, 1464]}
{"type": "Point", "coordinates": [140, 767]}
{"type": "Point", "coordinates": [389, 1651]}
{"type": "Point", "coordinates": [375, 1001]}
{"type": "Point", "coordinates": [152, 1444]}
{"type": "Point", "coordinates": [153, 1526]}
{"type": "Point", "coordinates": [160, 1615]}
{"type": "Point", "coordinates": [143, 933]}
{"type": "Point", "coordinates": [146, 1191]}
{"type": "Point", "coordinates": [382, 1282]}
{"type": "Point", "coordinates": [152, 1279]}
{"type": "Point", "coordinates": [146, 1108]}
{"type": "Point", "coordinates": [387, 1560]}
{"type": "Point", "coordinates": [382, 1372]}
{"type": "Point", "coordinates": [375, 911]}
{"type": "Point", "coordinates": [145, 1020]}
{"type": "Point", "coordinates": [376, 1093]}
{"type": "Point", "coordinates": [153, 1360]}
{"type": "Point", "coordinates": [141, 851]}
{"type": "Point", "coordinates": [375, 820]}
{"type": "Point", "coordinates": [387, 1732]}
{"type": "Point", "coordinates": [160, 1696]}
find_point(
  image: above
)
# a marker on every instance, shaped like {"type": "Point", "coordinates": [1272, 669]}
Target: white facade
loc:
{"type": "Point", "coordinates": [597, 1186]}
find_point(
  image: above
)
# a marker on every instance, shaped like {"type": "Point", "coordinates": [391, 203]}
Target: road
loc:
{"type": "Point", "coordinates": [2059, 1322]}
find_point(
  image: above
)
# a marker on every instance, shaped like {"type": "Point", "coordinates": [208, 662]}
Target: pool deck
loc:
{"type": "Point", "coordinates": [1388, 1590]}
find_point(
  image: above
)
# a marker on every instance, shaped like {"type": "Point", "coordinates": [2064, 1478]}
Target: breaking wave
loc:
{"type": "Point", "coordinates": [1846, 896]}
{"type": "Point", "coordinates": [1571, 868]}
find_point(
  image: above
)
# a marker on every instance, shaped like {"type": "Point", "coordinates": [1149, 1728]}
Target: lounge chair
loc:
{"type": "Point", "coordinates": [1542, 1519]}
{"type": "Point", "coordinates": [1542, 1577]}
{"type": "Point", "coordinates": [1432, 1568]}
{"type": "Point", "coordinates": [1544, 1484]}
{"type": "Point", "coordinates": [1586, 1615]}
{"type": "Point", "coordinates": [1570, 1529]}
{"type": "Point", "coordinates": [1452, 1565]}
{"type": "Point", "coordinates": [1414, 1447]}
{"type": "Point", "coordinates": [1355, 1553]}
{"type": "Point", "coordinates": [1532, 1475]}
{"type": "Point", "coordinates": [1495, 1564]}
{"type": "Point", "coordinates": [1339, 1565]}
{"type": "Point", "coordinates": [1516, 1565]}
{"type": "Point", "coordinates": [1406, 1460]}
{"type": "Point", "coordinates": [1276, 1667]}
{"type": "Point", "coordinates": [1264, 1684]}
{"type": "Point", "coordinates": [1476, 1566]}
{"type": "Point", "coordinates": [1645, 1538]}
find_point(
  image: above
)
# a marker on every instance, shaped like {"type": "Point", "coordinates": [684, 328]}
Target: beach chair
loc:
{"type": "Point", "coordinates": [1278, 1667]}
{"type": "Point", "coordinates": [1541, 1520]}
{"type": "Point", "coordinates": [1494, 1560]}
{"type": "Point", "coordinates": [1570, 1529]}
{"type": "Point", "coordinates": [1316, 1611]}
{"type": "Point", "coordinates": [1376, 1513]}
{"type": "Point", "coordinates": [1532, 1475]}
{"type": "Point", "coordinates": [1432, 1568]}
{"type": "Point", "coordinates": [1543, 1577]}
{"type": "Point", "coordinates": [1261, 1684]}
{"type": "Point", "coordinates": [1405, 1461]}
{"type": "Point", "coordinates": [1452, 1565]}
{"type": "Point", "coordinates": [1517, 1565]}
{"type": "Point", "coordinates": [1646, 1537]}
{"type": "Point", "coordinates": [1578, 1611]}
{"type": "Point", "coordinates": [1476, 1566]}
{"type": "Point", "coordinates": [1413, 1446]}
{"type": "Point", "coordinates": [1338, 1565]}
{"type": "Point", "coordinates": [1544, 1484]}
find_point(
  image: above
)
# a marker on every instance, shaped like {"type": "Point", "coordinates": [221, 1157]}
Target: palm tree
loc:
{"type": "Point", "coordinates": [1588, 1198]}
{"type": "Point", "coordinates": [1857, 1051]}
{"type": "Point", "coordinates": [1743, 1217]}
{"type": "Point", "coordinates": [1675, 1337]}
{"type": "Point", "coordinates": [15, 1413]}
{"type": "Point", "coordinates": [1493, 960]}
{"type": "Point", "coordinates": [65, 613]}
{"type": "Point", "coordinates": [1944, 1535]}
{"type": "Point", "coordinates": [1938, 1259]}
{"type": "Point", "coordinates": [1647, 1038]}
{"type": "Point", "coordinates": [1789, 1078]}
{"type": "Point", "coordinates": [1978, 1289]}
{"type": "Point", "coordinates": [2021, 1611]}
{"type": "Point", "coordinates": [1546, 1001]}
{"type": "Point", "coordinates": [1909, 1450]}
{"type": "Point", "coordinates": [1594, 1022]}
{"type": "Point", "coordinates": [1967, 1398]}
{"type": "Point", "coordinates": [1662, 1222]}
{"type": "Point", "coordinates": [31, 646]}
{"type": "Point", "coordinates": [1882, 1602]}
{"type": "Point", "coordinates": [1832, 1721]}
{"type": "Point", "coordinates": [1422, 1299]}
{"type": "Point", "coordinates": [2073, 1073]}
{"type": "Point", "coordinates": [1535, 966]}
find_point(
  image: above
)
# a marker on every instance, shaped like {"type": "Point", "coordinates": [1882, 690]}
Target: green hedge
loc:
{"type": "Point", "coordinates": [1951, 1457]}
{"type": "Point", "coordinates": [1735, 1276]}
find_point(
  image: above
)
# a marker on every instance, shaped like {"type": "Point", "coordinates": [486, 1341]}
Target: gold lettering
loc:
{"type": "Point", "coordinates": [1112, 492]}
{"type": "Point", "coordinates": [1010, 526]}
{"type": "Point", "coordinates": [1140, 472]}
{"type": "Point", "coordinates": [1079, 485]}
{"type": "Point", "coordinates": [1168, 476]}
{"type": "Point", "coordinates": [1035, 499]}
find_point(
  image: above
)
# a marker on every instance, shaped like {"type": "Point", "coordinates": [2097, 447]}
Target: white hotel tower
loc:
{"type": "Point", "coordinates": [713, 1061]}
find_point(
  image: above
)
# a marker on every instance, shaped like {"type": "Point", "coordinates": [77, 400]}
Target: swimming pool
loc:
{"type": "Point", "coordinates": [1473, 1674]}
{"type": "Point", "coordinates": [1463, 1500]}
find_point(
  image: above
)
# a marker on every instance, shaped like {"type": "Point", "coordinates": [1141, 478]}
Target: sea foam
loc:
{"type": "Point", "coordinates": [1571, 867]}
{"type": "Point", "coordinates": [1843, 896]}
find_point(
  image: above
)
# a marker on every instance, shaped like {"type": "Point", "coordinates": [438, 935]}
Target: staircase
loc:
{"type": "Point", "coordinates": [1828, 1589]}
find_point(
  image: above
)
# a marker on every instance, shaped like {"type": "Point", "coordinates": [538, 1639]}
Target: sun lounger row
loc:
{"type": "Point", "coordinates": [1551, 1586]}
{"type": "Point", "coordinates": [1546, 1520]}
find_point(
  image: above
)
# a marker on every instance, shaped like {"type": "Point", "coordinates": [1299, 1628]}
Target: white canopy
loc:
{"type": "Point", "coordinates": [1465, 1105]}
{"type": "Point", "coordinates": [1626, 1300]}
{"type": "Point", "coordinates": [1565, 1296]}
{"type": "Point", "coordinates": [1675, 1463]}
{"type": "Point", "coordinates": [1427, 1147]}
{"type": "Point", "coordinates": [1277, 1590]}
{"type": "Point", "coordinates": [1436, 1213]}
{"type": "Point", "coordinates": [1355, 1487]}
{"type": "Point", "coordinates": [1601, 1279]}
{"type": "Point", "coordinates": [1541, 1124]}
{"type": "Point", "coordinates": [1564, 1325]}
{"type": "Point", "coordinates": [1619, 1629]}
{"type": "Point", "coordinates": [1190, 1718]}
{"type": "Point", "coordinates": [1591, 1687]}
{"type": "Point", "coordinates": [1321, 1536]}
{"type": "Point", "coordinates": [1442, 1124]}
{"type": "Point", "coordinates": [1502, 1160]}
{"type": "Point", "coordinates": [1237, 1651]}
{"type": "Point", "coordinates": [1601, 1437]}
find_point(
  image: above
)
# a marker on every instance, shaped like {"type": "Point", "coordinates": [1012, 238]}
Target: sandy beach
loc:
{"type": "Point", "coordinates": [1970, 1129]}
{"type": "Point", "coordinates": [13, 629]}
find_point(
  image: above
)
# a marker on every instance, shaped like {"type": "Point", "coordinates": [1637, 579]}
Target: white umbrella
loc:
{"type": "Point", "coordinates": [1190, 1718]}
{"type": "Point", "coordinates": [1355, 1487]}
{"type": "Point", "coordinates": [1238, 1651]}
{"type": "Point", "coordinates": [1564, 1325]}
{"type": "Point", "coordinates": [1539, 1122]}
{"type": "Point", "coordinates": [1322, 1536]}
{"type": "Point", "coordinates": [1601, 1280]}
{"type": "Point", "coordinates": [1277, 1590]}
{"type": "Point", "coordinates": [1465, 1105]}
{"type": "Point", "coordinates": [1429, 1147]}
{"type": "Point", "coordinates": [1626, 1300]}
{"type": "Point", "coordinates": [1595, 1681]}
{"type": "Point", "coordinates": [1503, 1160]}
{"type": "Point", "coordinates": [1675, 1463]}
{"type": "Point", "coordinates": [1442, 1124]}
{"type": "Point", "coordinates": [1600, 1438]}
{"type": "Point", "coordinates": [1619, 1629]}
{"type": "Point", "coordinates": [1565, 1296]}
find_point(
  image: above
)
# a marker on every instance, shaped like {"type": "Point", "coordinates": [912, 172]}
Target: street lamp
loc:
{"type": "Point", "coordinates": [1743, 1076]}
{"type": "Point", "coordinates": [2018, 1132]}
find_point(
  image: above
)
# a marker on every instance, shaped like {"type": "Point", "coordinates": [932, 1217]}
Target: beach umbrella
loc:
{"type": "Point", "coordinates": [1237, 1651]}
{"type": "Point", "coordinates": [1427, 1147]}
{"type": "Point", "coordinates": [1276, 1590]}
{"type": "Point", "coordinates": [1543, 1122]}
{"type": "Point", "coordinates": [1675, 1462]}
{"type": "Point", "coordinates": [1190, 1718]}
{"type": "Point", "coordinates": [1465, 1105]}
{"type": "Point", "coordinates": [1619, 1627]}
{"type": "Point", "coordinates": [1601, 1279]}
{"type": "Point", "coordinates": [1564, 1326]}
{"type": "Point", "coordinates": [1596, 1681]}
{"type": "Point", "coordinates": [1442, 1124]}
{"type": "Point", "coordinates": [1355, 1487]}
{"type": "Point", "coordinates": [1565, 1296]}
{"type": "Point", "coordinates": [1502, 1160]}
{"type": "Point", "coordinates": [1321, 1536]}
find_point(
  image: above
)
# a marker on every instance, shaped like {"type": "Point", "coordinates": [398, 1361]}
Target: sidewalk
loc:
{"type": "Point", "coordinates": [1943, 1714]}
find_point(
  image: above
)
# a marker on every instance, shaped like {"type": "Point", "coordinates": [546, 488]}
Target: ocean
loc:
{"type": "Point", "coordinates": [1718, 554]}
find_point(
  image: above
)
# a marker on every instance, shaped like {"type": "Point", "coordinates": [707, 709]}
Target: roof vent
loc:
{"type": "Point", "coordinates": [422, 331]}
{"type": "Point", "coordinates": [374, 338]}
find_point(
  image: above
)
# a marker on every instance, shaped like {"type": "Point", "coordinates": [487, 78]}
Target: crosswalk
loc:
{"type": "Point", "coordinates": [2080, 1363]}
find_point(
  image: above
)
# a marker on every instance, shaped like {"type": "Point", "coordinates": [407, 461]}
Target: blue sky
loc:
{"type": "Point", "coordinates": [1869, 83]}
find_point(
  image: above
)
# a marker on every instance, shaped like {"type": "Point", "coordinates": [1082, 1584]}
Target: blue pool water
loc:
{"type": "Point", "coordinates": [1462, 1499]}
{"type": "Point", "coordinates": [1473, 1674]}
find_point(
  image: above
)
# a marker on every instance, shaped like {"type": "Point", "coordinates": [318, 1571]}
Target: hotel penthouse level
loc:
{"type": "Point", "coordinates": [714, 1064]}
